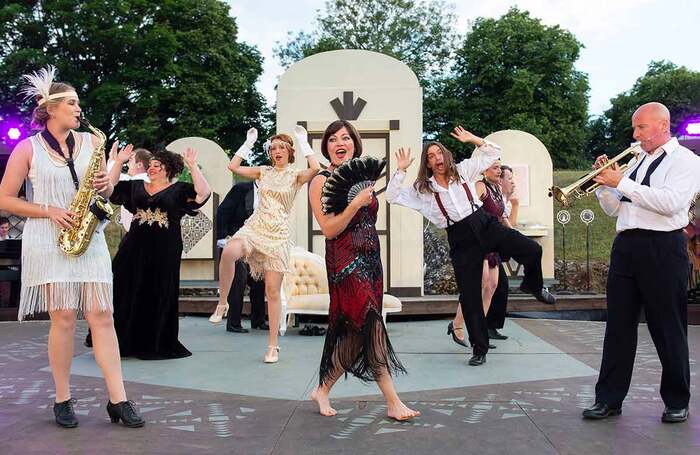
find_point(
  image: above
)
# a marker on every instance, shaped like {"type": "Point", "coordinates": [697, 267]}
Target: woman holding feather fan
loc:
{"type": "Point", "coordinates": [343, 202]}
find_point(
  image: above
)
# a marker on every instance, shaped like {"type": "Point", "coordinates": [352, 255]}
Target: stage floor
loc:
{"type": "Point", "coordinates": [526, 399]}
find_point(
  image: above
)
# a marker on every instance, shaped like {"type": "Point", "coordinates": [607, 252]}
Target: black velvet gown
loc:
{"type": "Point", "coordinates": [147, 270]}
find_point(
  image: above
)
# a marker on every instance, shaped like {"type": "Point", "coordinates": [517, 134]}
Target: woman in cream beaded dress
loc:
{"type": "Point", "coordinates": [263, 242]}
{"type": "Point", "coordinates": [53, 162]}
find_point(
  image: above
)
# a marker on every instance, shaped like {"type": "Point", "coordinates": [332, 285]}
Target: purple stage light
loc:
{"type": "Point", "coordinates": [691, 127]}
{"type": "Point", "coordinates": [11, 131]}
{"type": "Point", "coordinates": [14, 133]}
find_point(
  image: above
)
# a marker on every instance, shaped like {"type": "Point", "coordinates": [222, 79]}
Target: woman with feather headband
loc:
{"type": "Point", "coordinates": [52, 162]}
{"type": "Point", "coordinates": [356, 340]}
{"type": "Point", "coordinates": [263, 241]}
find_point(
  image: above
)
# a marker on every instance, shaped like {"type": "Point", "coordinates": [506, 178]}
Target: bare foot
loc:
{"type": "Point", "coordinates": [324, 404]}
{"type": "Point", "coordinates": [401, 412]}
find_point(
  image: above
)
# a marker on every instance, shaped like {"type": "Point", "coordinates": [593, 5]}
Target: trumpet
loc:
{"type": "Point", "coordinates": [586, 185]}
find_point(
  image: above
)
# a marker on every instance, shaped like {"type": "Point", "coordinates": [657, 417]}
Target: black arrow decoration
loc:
{"type": "Point", "coordinates": [348, 109]}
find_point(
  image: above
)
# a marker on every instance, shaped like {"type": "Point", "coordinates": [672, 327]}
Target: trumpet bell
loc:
{"type": "Point", "coordinates": [559, 196]}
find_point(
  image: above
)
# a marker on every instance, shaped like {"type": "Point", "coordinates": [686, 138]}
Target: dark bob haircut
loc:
{"type": "Point", "coordinates": [334, 128]}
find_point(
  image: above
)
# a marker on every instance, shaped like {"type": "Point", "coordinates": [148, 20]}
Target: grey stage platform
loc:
{"type": "Point", "coordinates": [527, 399]}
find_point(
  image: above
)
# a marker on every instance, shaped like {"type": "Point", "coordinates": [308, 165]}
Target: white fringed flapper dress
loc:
{"type": "Point", "coordinates": [52, 280]}
{"type": "Point", "coordinates": [266, 233]}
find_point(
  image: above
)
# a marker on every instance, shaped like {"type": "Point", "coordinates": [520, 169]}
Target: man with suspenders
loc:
{"type": "Point", "coordinates": [444, 194]}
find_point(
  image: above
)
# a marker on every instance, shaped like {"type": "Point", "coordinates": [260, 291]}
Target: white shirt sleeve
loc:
{"type": "Point", "coordinates": [609, 199]}
{"type": "Point", "coordinates": [471, 168]}
{"type": "Point", "coordinates": [672, 197]}
{"type": "Point", "coordinates": [406, 196]}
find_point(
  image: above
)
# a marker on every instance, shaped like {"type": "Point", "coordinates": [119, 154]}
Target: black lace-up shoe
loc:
{"type": "Point", "coordinates": [65, 415]}
{"type": "Point", "coordinates": [126, 412]}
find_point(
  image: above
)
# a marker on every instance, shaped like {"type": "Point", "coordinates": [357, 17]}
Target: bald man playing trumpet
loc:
{"type": "Point", "coordinates": [648, 263]}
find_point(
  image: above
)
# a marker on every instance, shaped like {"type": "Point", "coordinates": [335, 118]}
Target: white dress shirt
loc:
{"type": "Point", "coordinates": [664, 204]}
{"type": "Point", "coordinates": [453, 198]}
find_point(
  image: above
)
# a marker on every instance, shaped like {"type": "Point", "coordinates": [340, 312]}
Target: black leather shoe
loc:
{"type": "Point", "coordinates": [600, 411]}
{"type": "Point", "coordinates": [236, 329]}
{"type": "Point", "coordinates": [126, 412]}
{"type": "Point", "coordinates": [542, 295]}
{"type": "Point", "coordinates": [674, 415]}
{"type": "Point", "coordinates": [477, 360]}
{"type": "Point", "coordinates": [263, 326]}
{"type": "Point", "coordinates": [495, 335]}
{"type": "Point", "coordinates": [451, 331]}
{"type": "Point", "coordinates": [64, 413]}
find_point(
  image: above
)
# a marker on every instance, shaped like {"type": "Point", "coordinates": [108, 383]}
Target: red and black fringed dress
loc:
{"type": "Point", "coordinates": [356, 340]}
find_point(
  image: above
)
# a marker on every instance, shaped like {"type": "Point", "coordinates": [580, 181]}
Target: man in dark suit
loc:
{"type": "Point", "coordinates": [236, 207]}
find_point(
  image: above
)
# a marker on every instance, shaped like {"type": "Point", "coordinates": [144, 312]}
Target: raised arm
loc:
{"type": "Point", "coordinates": [302, 139]}
{"type": "Point", "coordinates": [243, 153]}
{"type": "Point", "coordinates": [115, 171]}
{"type": "Point", "coordinates": [406, 196]}
{"type": "Point", "coordinates": [471, 168]}
{"type": "Point", "coordinates": [15, 173]}
{"type": "Point", "coordinates": [333, 225]}
{"type": "Point", "coordinates": [201, 186]}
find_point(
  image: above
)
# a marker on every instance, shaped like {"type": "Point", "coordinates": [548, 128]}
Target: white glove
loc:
{"type": "Point", "coordinates": [245, 150]}
{"type": "Point", "coordinates": [302, 138]}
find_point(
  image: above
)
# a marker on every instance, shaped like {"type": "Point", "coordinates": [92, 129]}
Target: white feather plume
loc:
{"type": "Point", "coordinates": [39, 83]}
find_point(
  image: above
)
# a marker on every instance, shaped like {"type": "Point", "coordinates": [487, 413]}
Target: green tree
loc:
{"type": "Point", "coordinates": [419, 33]}
{"type": "Point", "coordinates": [515, 73]}
{"type": "Point", "coordinates": [676, 87]}
{"type": "Point", "coordinates": [147, 72]}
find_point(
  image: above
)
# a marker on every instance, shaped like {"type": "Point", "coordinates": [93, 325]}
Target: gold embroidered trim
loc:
{"type": "Point", "coordinates": [152, 216]}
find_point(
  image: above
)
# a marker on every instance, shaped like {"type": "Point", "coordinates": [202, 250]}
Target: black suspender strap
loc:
{"type": "Point", "coordinates": [70, 142]}
{"type": "Point", "coordinates": [647, 176]}
{"type": "Point", "coordinates": [442, 207]}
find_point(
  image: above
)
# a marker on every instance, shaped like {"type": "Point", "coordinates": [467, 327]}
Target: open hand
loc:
{"type": "Point", "coordinates": [464, 136]}
{"type": "Point", "coordinates": [403, 158]}
{"type": "Point", "coordinates": [125, 154]}
{"type": "Point", "coordinates": [190, 158]}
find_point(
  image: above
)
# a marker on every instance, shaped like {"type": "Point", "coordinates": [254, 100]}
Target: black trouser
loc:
{"type": "Point", "coordinates": [496, 316]}
{"type": "Point", "coordinates": [470, 239]}
{"type": "Point", "coordinates": [235, 297]}
{"type": "Point", "coordinates": [648, 269]}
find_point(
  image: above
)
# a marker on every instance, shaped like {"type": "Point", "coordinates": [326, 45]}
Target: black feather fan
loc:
{"type": "Point", "coordinates": [349, 179]}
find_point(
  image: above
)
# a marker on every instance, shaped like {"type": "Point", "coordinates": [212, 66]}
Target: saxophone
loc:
{"type": "Point", "coordinates": [90, 208]}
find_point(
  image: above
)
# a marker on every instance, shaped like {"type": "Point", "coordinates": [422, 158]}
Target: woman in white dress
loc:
{"type": "Point", "coordinates": [53, 163]}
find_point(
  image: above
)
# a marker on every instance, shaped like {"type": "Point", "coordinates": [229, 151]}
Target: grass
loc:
{"type": "Point", "coordinates": [602, 227]}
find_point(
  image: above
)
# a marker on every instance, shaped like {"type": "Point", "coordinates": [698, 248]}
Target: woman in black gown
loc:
{"type": "Point", "coordinates": [147, 266]}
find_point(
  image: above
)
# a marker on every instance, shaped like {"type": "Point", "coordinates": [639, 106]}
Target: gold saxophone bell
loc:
{"type": "Point", "coordinates": [586, 185]}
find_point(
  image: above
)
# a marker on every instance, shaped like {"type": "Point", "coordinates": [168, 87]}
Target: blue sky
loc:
{"type": "Point", "coordinates": [621, 36]}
